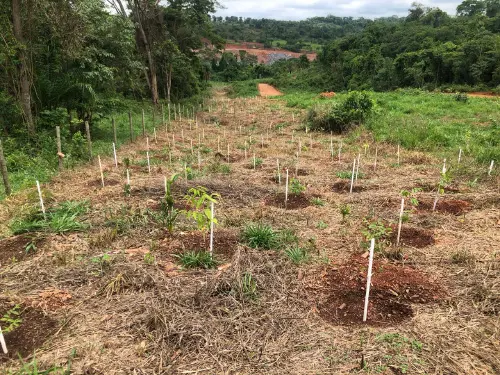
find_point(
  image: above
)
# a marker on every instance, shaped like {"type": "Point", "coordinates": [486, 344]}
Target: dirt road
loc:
{"type": "Point", "coordinates": [266, 90]}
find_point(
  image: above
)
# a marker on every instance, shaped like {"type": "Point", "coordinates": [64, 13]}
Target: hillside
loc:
{"type": "Point", "coordinates": [266, 55]}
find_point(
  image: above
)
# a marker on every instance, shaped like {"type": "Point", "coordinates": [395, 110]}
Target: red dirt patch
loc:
{"type": "Point", "coordinates": [33, 331]}
{"type": "Point", "coordinates": [414, 237]}
{"type": "Point", "coordinates": [393, 289]}
{"type": "Point", "coordinates": [345, 186]}
{"type": "Point", "coordinates": [225, 242]}
{"type": "Point", "coordinates": [266, 90]}
{"type": "Point", "coordinates": [14, 248]}
{"type": "Point", "coordinates": [451, 206]}
{"type": "Point", "coordinates": [327, 94]}
{"type": "Point", "coordinates": [295, 201]}
{"type": "Point", "coordinates": [483, 94]}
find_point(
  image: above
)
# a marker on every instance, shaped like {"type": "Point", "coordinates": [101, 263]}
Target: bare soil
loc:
{"type": "Point", "coordinates": [266, 90]}
{"type": "Point", "coordinates": [294, 202]}
{"type": "Point", "coordinates": [411, 236]}
{"type": "Point", "coordinates": [449, 206]}
{"type": "Point", "coordinates": [345, 187]}
{"type": "Point", "coordinates": [13, 249]}
{"type": "Point", "coordinates": [394, 289]}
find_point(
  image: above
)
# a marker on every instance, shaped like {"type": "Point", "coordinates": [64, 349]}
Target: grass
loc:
{"type": "Point", "coordinates": [244, 89]}
{"type": "Point", "coordinates": [426, 121]}
{"type": "Point", "coordinates": [63, 218]}
{"type": "Point", "coordinates": [260, 236]}
{"type": "Point", "coordinates": [297, 254]}
{"type": "Point", "coordinates": [196, 259]}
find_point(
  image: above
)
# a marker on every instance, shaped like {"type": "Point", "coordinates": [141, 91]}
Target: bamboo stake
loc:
{"type": "Point", "coordinates": [2, 342]}
{"type": "Point", "coordinates": [114, 154]}
{"type": "Point", "coordinates": [41, 199]}
{"type": "Point", "coordinates": [400, 220]}
{"type": "Point", "coordinates": [143, 124]}
{"type": "Point", "coordinates": [491, 167]}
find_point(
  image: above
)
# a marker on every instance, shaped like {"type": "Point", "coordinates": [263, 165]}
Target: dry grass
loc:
{"type": "Point", "coordinates": [127, 317]}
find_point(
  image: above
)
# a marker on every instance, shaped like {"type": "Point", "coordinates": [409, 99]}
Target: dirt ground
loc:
{"type": "Point", "coordinates": [435, 300]}
{"type": "Point", "coordinates": [266, 90]}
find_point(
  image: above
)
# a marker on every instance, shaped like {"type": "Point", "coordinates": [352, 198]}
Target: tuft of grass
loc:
{"type": "Point", "coordinates": [317, 201]}
{"type": "Point", "coordinates": [297, 254]}
{"type": "Point", "coordinates": [249, 286]}
{"type": "Point", "coordinates": [260, 236]}
{"type": "Point", "coordinates": [63, 218]}
{"type": "Point", "coordinates": [196, 259]}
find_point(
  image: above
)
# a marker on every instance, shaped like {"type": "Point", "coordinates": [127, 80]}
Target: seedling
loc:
{"type": "Point", "coordinates": [296, 187]}
{"type": "Point", "coordinates": [317, 201]}
{"type": "Point", "coordinates": [11, 319]}
{"type": "Point", "coordinates": [198, 199]}
{"type": "Point", "coordinates": [378, 231]}
{"type": "Point", "coordinates": [345, 210]}
{"type": "Point", "coordinates": [321, 225]}
{"type": "Point", "coordinates": [169, 213]}
{"type": "Point", "coordinates": [149, 258]}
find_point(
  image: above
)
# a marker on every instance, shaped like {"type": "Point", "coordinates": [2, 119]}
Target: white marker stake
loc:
{"type": "Point", "coordinates": [114, 153]}
{"type": "Point", "coordinates": [245, 153]}
{"type": "Point", "coordinates": [443, 171]}
{"type": "Point", "coordinates": [41, 199]}
{"type": "Point", "coordinates": [254, 161]}
{"type": "Point", "coordinates": [147, 143]}
{"type": "Point", "coordinates": [149, 165]}
{"type": "Point", "coordinates": [491, 167]}
{"type": "Point", "coordinates": [279, 174]}
{"type": "Point", "coordinates": [2, 342]}
{"type": "Point", "coordinates": [459, 156]}
{"type": "Point", "coordinates": [286, 187]}
{"type": "Point", "coordinates": [331, 147]}
{"type": "Point", "coordinates": [128, 178]}
{"type": "Point", "coordinates": [182, 135]}
{"type": "Point", "coordinates": [357, 167]}
{"type": "Point", "coordinates": [369, 279]}
{"type": "Point", "coordinates": [352, 175]}
{"type": "Point", "coordinates": [400, 220]}
{"type": "Point", "coordinates": [165, 183]}
{"type": "Point", "coordinates": [100, 168]}
{"type": "Point", "coordinates": [211, 229]}
{"type": "Point", "coordinates": [154, 131]}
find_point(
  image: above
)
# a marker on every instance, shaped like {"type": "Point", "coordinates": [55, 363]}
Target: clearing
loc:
{"type": "Point", "coordinates": [102, 281]}
{"type": "Point", "coordinates": [266, 90]}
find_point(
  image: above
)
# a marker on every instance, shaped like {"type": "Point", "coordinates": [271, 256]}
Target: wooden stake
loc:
{"type": "Point", "coordinates": [254, 161]}
{"type": "Point", "coordinates": [459, 156]}
{"type": "Point", "coordinates": [357, 167]}
{"type": "Point", "coordinates": [369, 279]}
{"type": "Point", "coordinates": [114, 153]}
{"type": "Point", "coordinates": [352, 175]}
{"type": "Point", "coordinates": [149, 165]}
{"type": "Point", "coordinates": [128, 178]}
{"type": "Point", "coordinates": [400, 220]}
{"type": "Point", "coordinates": [41, 199]}
{"type": "Point", "coordinates": [398, 154]}
{"type": "Point", "coordinates": [100, 169]}
{"type": "Point", "coordinates": [59, 150]}
{"type": "Point", "coordinates": [211, 229]}
{"type": "Point", "coordinates": [89, 141]}
{"type": "Point", "coordinates": [491, 167]}
{"type": "Point", "coordinates": [286, 188]}
{"type": "Point", "coordinates": [3, 170]}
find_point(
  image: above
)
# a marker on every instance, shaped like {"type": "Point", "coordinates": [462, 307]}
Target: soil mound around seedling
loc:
{"type": "Point", "coordinates": [225, 242]}
{"type": "Point", "coordinates": [345, 187]}
{"type": "Point", "coordinates": [394, 289]}
{"type": "Point", "coordinates": [451, 206]}
{"type": "Point", "coordinates": [13, 249]}
{"type": "Point", "coordinates": [414, 237]}
{"type": "Point", "coordinates": [31, 333]}
{"type": "Point", "coordinates": [295, 201]}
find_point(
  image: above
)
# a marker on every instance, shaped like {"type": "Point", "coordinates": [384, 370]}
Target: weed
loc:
{"type": "Point", "coordinates": [296, 187]}
{"type": "Point", "coordinates": [30, 247]}
{"type": "Point", "coordinates": [149, 258]}
{"type": "Point", "coordinates": [249, 286]}
{"type": "Point", "coordinates": [321, 225]}
{"type": "Point", "coordinates": [196, 259]}
{"type": "Point", "coordinates": [297, 254]}
{"type": "Point", "coordinates": [103, 262]}
{"type": "Point", "coordinates": [461, 97]}
{"type": "Point", "coordinates": [256, 162]}
{"type": "Point", "coordinates": [126, 162]}
{"type": "Point", "coordinates": [347, 175]}
{"type": "Point", "coordinates": [285, 237]}
{"type": "Point", "coordinates": [345, 210]}
{"type": "Point", "coordinates": [317, 201]}
{"type": "Point", "coordinates": [260, 236]}
{"type": "Point", "coordinates": [462, 257]}
{"type": "Point", "coordinates": [11, 319]}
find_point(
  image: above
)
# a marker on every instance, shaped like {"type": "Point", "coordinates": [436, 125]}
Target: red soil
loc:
{"type": "Point", "coordinates": [268, 90]}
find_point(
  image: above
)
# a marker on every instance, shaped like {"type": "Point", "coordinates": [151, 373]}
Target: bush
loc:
{"type": "Point", "coordinates": [461, 97]}
{"type": "Point", "coordinates": [341, 117]}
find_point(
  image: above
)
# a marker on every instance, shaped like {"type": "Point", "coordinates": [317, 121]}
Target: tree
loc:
{"type": "Point", "coordinates": [470, 8]}
{"type": "Point", "coordinates": [23, 72]}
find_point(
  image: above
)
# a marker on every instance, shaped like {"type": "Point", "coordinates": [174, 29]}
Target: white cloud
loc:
{"type": "Point", "coordinates": [302, 9]}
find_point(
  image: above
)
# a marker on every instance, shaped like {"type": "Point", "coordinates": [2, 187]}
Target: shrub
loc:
{"type": "Point", "coordinates": [340, 117]}
{"type": "Point", "coordinates": [461, 97]}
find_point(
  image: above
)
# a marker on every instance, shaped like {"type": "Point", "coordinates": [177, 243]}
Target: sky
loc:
{"type": "Point", "coordinates": [302, 9]}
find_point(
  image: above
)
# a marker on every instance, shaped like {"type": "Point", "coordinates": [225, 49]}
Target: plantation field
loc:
{"type": "Point", "coordinates": [102, 286]}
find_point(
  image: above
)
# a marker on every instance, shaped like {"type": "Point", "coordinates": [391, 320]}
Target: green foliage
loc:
{"type": "Point", "coordinates": [198, 200]}
{"type": "Point", "coordinates": [339, 117]}
{"type": "Point", "coordinates": [168, 213]}
{"type": "Point", "coordinates": [11, 319]}
{"type": "Point", "coordinates": [297, 254]}
{"type": "Point", "coordinates": [345, 210]}
{"type": "Point", "coordinates": [260, 236]}
{"type": "Point", "coordinates": [243, 89]}
{"type": "Point", "coordinates": [317, 201]}
{"type": "Point", "coordinates": [63, 218]}
{"type": "Point", "coordinates": [249, 286]}
{"type": "Point", "coordinates": [461, 97]}
{"type": "Point", "coordinates": [149, 258]}
{"type": "Point", "coordinates": [296, 187]}
{"type": "Point", "coordinates": [196, 259]}
{"type": "Point", "coordinates": [412, 195]}
{"type": "Point", "coordinates": [321, 225]}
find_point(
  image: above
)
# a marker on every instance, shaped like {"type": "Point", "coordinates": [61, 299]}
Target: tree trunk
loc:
{"type": "Point", "coordinates": [24, 84]}
{"type": "Point", "coordinates": [169, 82]}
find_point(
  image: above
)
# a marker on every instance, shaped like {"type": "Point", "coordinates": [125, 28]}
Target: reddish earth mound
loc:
{"type": "Point", "coordinates": [393, 289]}
{"type": "Point", "coordinates": [414, 237]}
{"type": "Point", "coordinates": [13, 249]}
{"type": "Point", "coordinates": [345, 186]}
{"type": "Point", "coordinates": [327, 94]}
{"type": "Point", "coordinates": [295, 201]}
{"type": "Point", "coordinates": [268, 90]}
{"type": "Point", "coordinates": [452, 206]}
{"type": "Point", "coordinates": [34, 329]}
